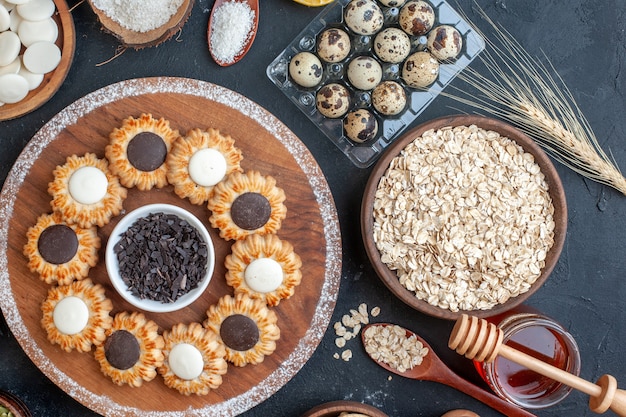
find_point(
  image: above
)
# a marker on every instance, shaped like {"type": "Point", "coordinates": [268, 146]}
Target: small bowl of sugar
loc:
{"type": "Point", "coordinates": [160, 258]}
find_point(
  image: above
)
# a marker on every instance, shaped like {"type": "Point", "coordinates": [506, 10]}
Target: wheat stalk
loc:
{"type": "Point", "coordinates": [523, 91]}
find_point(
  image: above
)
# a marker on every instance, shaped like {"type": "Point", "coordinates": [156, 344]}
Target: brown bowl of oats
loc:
{"type": "Point", "coordinates": [344, 408]}
{"type": "Point", "coordinates": [464, 214]}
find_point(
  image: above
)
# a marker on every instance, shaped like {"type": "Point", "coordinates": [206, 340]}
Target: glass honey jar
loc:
{"type": "Point", "coordinates": [537, 335]}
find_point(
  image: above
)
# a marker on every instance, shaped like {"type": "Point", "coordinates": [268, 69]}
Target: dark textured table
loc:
{"type": "Point", "coordinates": [585, 41]}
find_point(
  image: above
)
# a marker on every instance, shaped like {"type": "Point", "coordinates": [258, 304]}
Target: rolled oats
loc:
{"type": "Point", "coordinates": [464, 217]}
{"type": "Point", "coordinates": [349, 328]}
{"type": "Point", "coordinates": [390, 345]}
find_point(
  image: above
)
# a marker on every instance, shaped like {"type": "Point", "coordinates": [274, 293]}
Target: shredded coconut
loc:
{"type": "Point", "coordinates": [139, 15]}
{"type": "Point", "coordinates": [232, 27]}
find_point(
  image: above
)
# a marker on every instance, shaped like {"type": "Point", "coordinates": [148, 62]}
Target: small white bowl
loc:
{"type": "Point", "coordinates": [112, 263]}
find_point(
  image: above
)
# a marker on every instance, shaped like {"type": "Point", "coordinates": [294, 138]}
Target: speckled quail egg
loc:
{"type": "Point", "coordinates": [364, 17]}
{"type": "Point", "coordinates": [420, 70]}
{"type": "Point", "coordinates": [445, 42]}
{"type": "Point", "coordinates": [333, 45]}
{"type": "Point", "coordinates": [392, 45]}
{"type": "Point", "coordinates": [333, 100]}
{"type": "Point", "coordinates": [306, 69]}
{"type": "Point", "coordinates": [416, 17]}
{"type": "Point", "coordinates": [364, 72]}
{"type": "Point", "coordinates": [360, 125]}
{"type": "Point", "coordinates": [392, 3]}
{"type": "Point", "coordinates": [389, 98]}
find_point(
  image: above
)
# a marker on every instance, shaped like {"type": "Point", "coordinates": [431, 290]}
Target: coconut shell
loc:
{"type": "Point", "coordinates": [154, 37]}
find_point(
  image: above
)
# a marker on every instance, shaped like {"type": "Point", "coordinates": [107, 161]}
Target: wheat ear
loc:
{"type": "Point", "coordinates": [523, 91]}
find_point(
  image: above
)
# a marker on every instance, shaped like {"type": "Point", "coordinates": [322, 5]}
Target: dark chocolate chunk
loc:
{"type": "Point", "coordinates": [250, 211]}
{"type": "Point", "coordinates": [161, 257]}
{"type": "Point", "coordinates": [122, 349]}
{"type": "Point", "coordinates": [58, 244]}
{"type": "Point", "coordinates": [239, 332]}
{"type": "Point", "coordinates": [146, 151]}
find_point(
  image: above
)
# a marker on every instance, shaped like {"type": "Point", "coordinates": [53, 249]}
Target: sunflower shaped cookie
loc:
{"type": "Point", "coordinates": [247, 203]}
{"type": "Point", "coordinates": [85, 192]}
{"type": "Point", "coordinates": [138, 149]}
{"type": "Point", "coordinates": [263, 267]}
{"type": "Point", "coordinates": [245, 326]}
{"type": "Point", "coordinates": [76, 316]}
{"type": "Point", "coordinates": [194, 359]}
{"type": "Point", "coordinates": [132, 351]}
{"type": "Point", "coordinates": [60, 252]}
{"type": "Point", "coordinates": [200, 160]}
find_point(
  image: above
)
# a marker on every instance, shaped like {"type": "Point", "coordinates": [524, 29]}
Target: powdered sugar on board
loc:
{"type": "Point", "coordinates": [332, 273]}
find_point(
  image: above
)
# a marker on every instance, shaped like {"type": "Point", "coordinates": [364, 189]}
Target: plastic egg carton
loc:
{"type": "Point", "coordinates": [389, 127]}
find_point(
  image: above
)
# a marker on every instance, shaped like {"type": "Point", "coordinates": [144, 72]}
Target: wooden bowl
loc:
{"type": "Point", "coordinates": [14, 405]}
{"type": "Point", "coordinates": [53, 80]}
{"type": "Point", "coordinates": [556, 191]}
{"type": "Point", "coordinates": [334, 408]}
{"type": "Point", "coordinates": [154, 37]}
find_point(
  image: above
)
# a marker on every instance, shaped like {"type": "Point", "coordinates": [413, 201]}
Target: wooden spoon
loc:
{"type": "Point", "coordinates": [254, 6]}
{"type": "Point", "coordinates": [482, 341]}
{"type": "Point", "coordinates": [433, 369]}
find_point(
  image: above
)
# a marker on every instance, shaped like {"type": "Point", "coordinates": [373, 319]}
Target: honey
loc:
{"type": "Point", "coordinates": [541, 337]}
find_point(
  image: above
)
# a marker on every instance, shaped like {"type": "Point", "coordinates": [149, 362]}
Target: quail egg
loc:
{"type": "Point", "coordinates": [420, 70]}
{"type": "Point", "coordinates": [333, 100]}
{"type": "Point", "coordinates": [416, 18]}
{"type": "Point", "coordinates": [392, 45]}
{"type": "Point", "coordinates": [392, 3]}
{"type": "Point", "coordinates": [364, 17]}
{"type": "Point", "coordinates": [360, 125]}
{"type": "Point", "coordinates": [445, 42]}
{"type": "Point", "coordinates": [364, 72]}
{"type": "Point", "coordinates": [333, 45]}
{"type": "Point", "coordinates": [389, 98]}
{"type": "Point", "coordinates": [306, 69]}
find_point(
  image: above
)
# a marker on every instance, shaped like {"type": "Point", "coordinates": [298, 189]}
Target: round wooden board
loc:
{"type": "Point", "coordinates": [52, 81]}
{"type": "Point", "coordinates": [268, 146]}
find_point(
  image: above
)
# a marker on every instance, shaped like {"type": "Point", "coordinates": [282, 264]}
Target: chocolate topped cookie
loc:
{"type": "Point", "coordinates": [247, 203]}
{"type": "Point", "coordinates": [128, 361]}
{"type": "Point", "coordinates": [61, 252]}
{"type": "Point", "coordinates": [138, 149]}
{"type": "Point", "coordinates": [245, 326]}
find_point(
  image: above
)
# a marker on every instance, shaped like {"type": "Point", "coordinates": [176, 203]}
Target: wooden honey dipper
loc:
{"type": "Point", "coordinates": [479, 340]}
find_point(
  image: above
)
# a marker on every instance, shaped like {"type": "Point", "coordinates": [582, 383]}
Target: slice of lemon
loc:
{"type": "Point", "coordinates": [314, 3]}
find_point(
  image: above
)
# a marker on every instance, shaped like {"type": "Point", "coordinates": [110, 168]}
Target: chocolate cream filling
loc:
{"type": "Point", "coordinates": [146, 151]}
{"type": "Point", "coordinates": [239, 332]}
{"type": "Point", "coordinates": [58, 244]}
{"type": "Point", "coordinates": [122, 350]}
{"type": "Point", "coordinates": [250, 211]}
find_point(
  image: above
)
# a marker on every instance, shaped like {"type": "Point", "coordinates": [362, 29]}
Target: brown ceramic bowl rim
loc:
{"type": "Point", "coordinates": [334, 408]}
{"type": "Point", "coordinates": [14, 404]}
{"type": "Point", "coordinates": [556, 191]}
